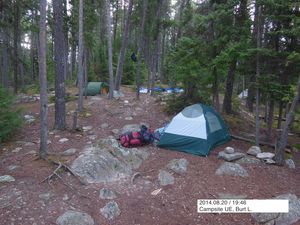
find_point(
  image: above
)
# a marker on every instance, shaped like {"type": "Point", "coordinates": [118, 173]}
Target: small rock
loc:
{"type": "Point", "coordinates": [126, 101]}
{"type": "Point", "coordinates": [66, 197]}
{"type": "Point", "coordinates": [128, 118]}
{"type": "Point", "coordinates": [6, 179]}
{"type": "Point", "coordinates": [46, 196]}
{"type": "Point", "coordinates": [290, 164]}
{"type": "Point", "coordinates": [269, 161]}
{"type": "Point", "coordinates": [165, 178]}
{"type": "Point", "coordinates": [229, 150]}
{"type": "Point", "coordinates": [96, 99]}
{"type": "Point", "coordinates": [16, 150]}
{"type": "Point", "coordinates": [117, 94]}
{"type": "Point", "coordinates": [107, 194]}
{"type": "Point", "coordinates": [104, 125]}
{"type": "Point", "coordinates": [12, 167]}
{"type": "Point", "coordinates": [230, 157]}
{"type": "Point", "coordinates": [63, 140]}
{"type": "Point", "coordinates": [115, 131]}
{"type": "Point", "coordinates": [110, 210]}
{"type": "Point", "coordinates": [232, 169]}
{"type": "Point", "coordinates": [248, 160]}
{"type": "Point", "coordinates": [254, 150]}
{"type": "Point", "coordinates": [265, 155]}
{"type": "Point", "coordinates": [32, 152]}
{"type": "Point", "coordinates": [69, 152]}
{"type": "Point", "coordinates": [178, 165]}
{"type": "Point", "coordinates": [87, 128]}
{"type": "Point", "coordinates": [92, 137]}
{"type": "Point", "coordinates": [75, 218]}
{"type": "Point", "coordinates": [29, 119]}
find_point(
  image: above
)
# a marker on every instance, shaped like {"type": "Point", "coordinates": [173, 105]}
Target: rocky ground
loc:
{"type": "Point", "coordinates": [146, 185]}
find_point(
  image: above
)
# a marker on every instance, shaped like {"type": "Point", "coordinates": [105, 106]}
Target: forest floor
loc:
{"type": "Point", "coordinates": [29, 201]}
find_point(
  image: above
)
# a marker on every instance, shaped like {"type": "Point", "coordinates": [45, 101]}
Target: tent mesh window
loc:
{"type": "Point", "coordinates": [192, 111]}
{"type": "Point", "coordinates": [213, 122]}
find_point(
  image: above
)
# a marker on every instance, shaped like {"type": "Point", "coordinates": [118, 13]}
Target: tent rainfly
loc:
{"type": "Point", "coordinates": [96, 88]}
{"type": "Point", "coordinates": [196, 129]}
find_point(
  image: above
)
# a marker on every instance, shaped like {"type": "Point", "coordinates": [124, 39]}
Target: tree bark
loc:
{"type": "Point", "coordinates": [59, 49]}
{"type": "Point", "coordinates": [16, 44]}
{"type": "Point", "coordinates": [280, 150]}
{"type": "Point", "coordinates": [257, 100]}
{"type": "Point", "coordinates": [139, 52]}
{"type": "Point", "coordinates": [119, 72]}
{"type": "Point", "coordinates": [270, 119]}
{"type": "Point", "coordinates": [227, 103]}
{"type": "Point", "coordinates": [280, 111]}
{"type": "Point", "coordinates": [5, 60]}
{"type": "Point", "coordinates": [80, 58]}
{"type": "Point", "coordinates": [109, 49]}
{"type": "Point", "coordinates": [43, 82]}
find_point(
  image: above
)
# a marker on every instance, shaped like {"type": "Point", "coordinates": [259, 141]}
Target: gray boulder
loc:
{"type": "Point", "coordinates": [6, 179]}
{"type": "Point", "coordinates": [290, 164]}
{"type": "Point", "coordinates": [281, 218]}
{"type": "Point", "coordinates": [107, 194]}
{"type": "Point", "coordinates": [106, 161]}
{"type": "Point", "coordinates": [248, 160]}
{"type": "Point", "coordinates": [133, 127]}
{"type": "Point", "coordinates": [75, 218]}
{"type": "Point", "coordinates": [118, 94]}
{"type": "Point", "coordinates": [178, 165]}
{"type": "Point", "coordinates": [232, 169]}
{"type": "Point", "coordinates": [254, 150]}
{"type": "Point", "coordinates": [110, 210]}
{"type": "Point", "coordinates": [230, 157]}
{"type": "Point", "coordinates": [165, 178]}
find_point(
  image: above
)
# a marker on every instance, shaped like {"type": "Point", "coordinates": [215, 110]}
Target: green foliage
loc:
{"type": "Point", "coordinates": [10, 118]}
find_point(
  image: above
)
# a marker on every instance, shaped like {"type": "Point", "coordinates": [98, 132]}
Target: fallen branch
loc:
{"type": "Point", "coordinates": [252, 141]}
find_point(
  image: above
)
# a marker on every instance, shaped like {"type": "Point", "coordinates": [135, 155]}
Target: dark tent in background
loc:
{"type": "Point", "coordinates": [96, 88]}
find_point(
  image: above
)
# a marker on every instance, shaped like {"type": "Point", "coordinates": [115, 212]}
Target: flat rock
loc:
{"type": "Point", "coordinates": [110, 210]}
{"type": "Point", "coordinates": [229, 150]}
{"type": "Point", "coordinates": [106, 161]}
{"type": "Point", "coordinates": [281, 218]}
{"type": "Point", "coordinates": [265, 155]}
{"type": "Point", "coordinates": [248, 160]}
{"type": "Point", "coordinates": [231, 196]}
{"type": "Point", "coordinates": [106, 193]}
{"type": "Point", "coordinates": [16, 150]}
{"type": "Point", "coordinates": [87, 128]}
{"type": "Point", "coordinates": [178, 165]}
{"type": "Point", "coordinates": [230, 157]}
{"type": "Point", "coordinates": [12, 167]}
{"type": "Point", "coordinates": [63, 140]}
{"type": "Point", "coordinates": [133, 127]}
{"type": "Point", "coordinates": [290, 164]}
{"type": "Point", "coordinates": [165, 178]}
{"type": "Point", "coordinates": [75, 218]}
{"type": "Point", "coordinates": [6, 179]}
{"type": "Point", "coordinates": [269, 161]}
{"type": "Point", "coordinates": [117, 94]}
{"type": "Point", "coordinates": [232, 169]}
{"type": "Point", "coordinates": [95, 98]}
{"type": "Point", "coordinates": [129, 118]}
{"type": "Point", "coordinates": [92, 137]}
{"type": "Point", "coordinates": [69, 152]}
{"type": "Point", "coordinates": [29, 119]}
{"type": "Point", "coordinates": [254, 150]}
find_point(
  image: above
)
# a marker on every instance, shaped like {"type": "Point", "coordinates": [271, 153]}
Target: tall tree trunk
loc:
{"type": "Point", "coordinates": [66, 39]}
{"type": "Point", "coordinates": [227, 103]}
{"type": "Point", "coordinates": [139, 52]}
{"type": "Point", "coordinates": [43, 82]}
{"type": "Point", "coordinates": [80, 57]}
{"type": "Point", "coordinates": [257, 100]}
{"type": "Point", "coordinates": [109, 49]}
{"type": "Point", "coordinates": [215, 88]}
{"type": "Point", "coordinates": [280, 112]}
{"type": "Point", "coordinates": [16, 44]}
{"type": "Point", "coordinates": [119, 72]}
{"type": "Point", "coordinates": [251, 93]}
{"type": "Point", "coordinates": [73, 60]}
{"type": "Point", "coordinates": [280, 150]}
{"type": "Point", "coordinates": [60, 103]}
{"type": "Point", "coordinates": [116, 20]}
{"type": "Point", "coordinates": [5, 61]}
{"type": "Point", "coordinates": [270, 120]}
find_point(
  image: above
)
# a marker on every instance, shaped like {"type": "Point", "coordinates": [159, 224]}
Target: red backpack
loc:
{"type": "Point", "coordinates": [131, 139]}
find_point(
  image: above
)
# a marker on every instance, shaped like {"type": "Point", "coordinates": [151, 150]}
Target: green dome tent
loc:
{"type": "Point", "coordinates": [96, 88]}
{"type": "Point", "coordinates": [196, 129]}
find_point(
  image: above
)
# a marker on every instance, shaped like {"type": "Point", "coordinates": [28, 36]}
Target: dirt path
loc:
{"type": "Point", "coordinates": [28, 201]}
